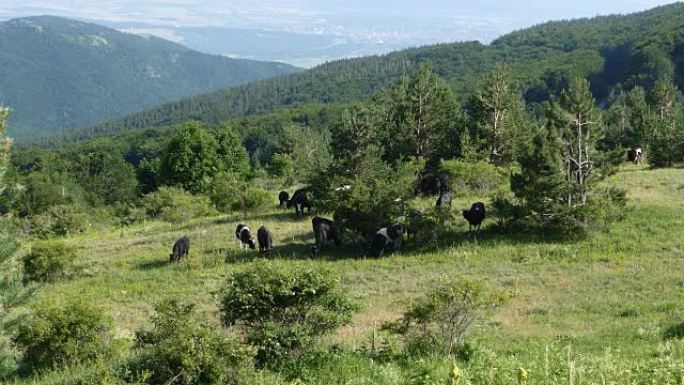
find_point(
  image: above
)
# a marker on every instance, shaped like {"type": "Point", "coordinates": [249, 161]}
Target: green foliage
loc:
{"type": "Point", "coordinates": [48, 261]}
{"type": "Point", "coordinates": [667, 138]}
{"type": "Point", "coordinates": [173, 204]}
{"type": "Point", "coordinates": [106, 177]}
{"type": "Point", "coordinates": [474, 178]}
{"type": "Point", "coordinates": [284, 311]}
{"type": "Point", "coordinates": [190, 159]}
{"type": "Point", "coordinates": [282, 166]}
{"type": "Point", "coordinates": [43, 190]}
{"type": "Point", "coordinates": [231, 194]}
{"type": "Point", "coordinates": [180, 350]}
{"type": "Point", "coordinates": [440, 321]}
{"type": "Point", "coordinates": [232, 155]}
{"type": "Point", "coordinates": [64, 334]}
{"type": "Point", "coordinates": [496, 112]}
{"type": "Point", "coordinates": [60, 220]}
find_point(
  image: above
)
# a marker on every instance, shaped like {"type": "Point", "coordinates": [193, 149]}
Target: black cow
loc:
{"type": "Point", "coordinates": [445, 198]}
{"type": "Point", "coordinates": [180, 249]}
{"type": "Point", "coordinates": [324, 232]}
{"type": "Point", "coordinates": [431, 185]}
{"type": "Point", "coordinates": [265, 239]}
{"type": "Point", "coordinates": [387, 239]}
{"type": "Point", "coordinates": [635, 156]}
{"type": "Point", "coordinates": [300, 201]}
{"type": "Point", "coordinates": [243, 235]}
{"type": "Point", "coordinates": [475, 215]}
{"type": "Point", "coordinates": [283, 197]}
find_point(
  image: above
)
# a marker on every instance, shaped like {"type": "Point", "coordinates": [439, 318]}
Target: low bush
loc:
{"type": "Point", "coordinates": [440, 321]}
{"type": "Point", "coordinates": [173, 204]}
{"type": "Point", "coordinates": [284, 312]}
{"type": "Point", "coordinates": [179, 350]}
{"type": "Point", "coordinates": [232, 194]}
{"type": "Point", "coordinates": [61, 335]}
{"type": "Point", "coordinates": [60, 220]}
{"type": "Point", "coordinates": [47, 261]}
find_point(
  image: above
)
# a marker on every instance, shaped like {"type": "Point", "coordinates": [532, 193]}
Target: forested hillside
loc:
{"type": "Point", "coordinates": [58, 74]}
{"type": "Point", "coordinates": [616, 52]}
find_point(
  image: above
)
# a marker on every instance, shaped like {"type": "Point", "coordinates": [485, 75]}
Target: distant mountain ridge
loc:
{"type": "Point", "coordinates": [614, 52]}
{"type": "Point", "coordinates": [59, 74]}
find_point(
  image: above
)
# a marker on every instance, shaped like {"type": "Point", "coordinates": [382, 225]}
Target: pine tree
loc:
{"type": "Point", "coordinates": [667, 136]}
{"type": "Point", "coordinates": [497, 111]}
{"type": "Point", "coordinates": [577, 121]}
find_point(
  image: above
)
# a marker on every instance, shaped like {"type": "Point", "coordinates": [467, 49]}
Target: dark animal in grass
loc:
{"type": "Point", "coordinates": [635, 156]}
{"type": "Point", "coordinates": [387, 239]}
{"type": "Point", "coordinates": [431, 185]}
{"type": "Point", "coordinates": [180, 249]}
{"type": "Point", "coordinates": [475, 215]}
{"type": "Point", "coordinates": [444, 200]}
{"type": "Point", "coordinates": [265, 239]}
{"type": "Point", "coordinates": [300, 201]}
{"type": "Point", "coordinates": [324, 233]}
{"type": "Point", "coordinates": [283, 197]}
{"type": "Point", "coordinates": [245, 237]}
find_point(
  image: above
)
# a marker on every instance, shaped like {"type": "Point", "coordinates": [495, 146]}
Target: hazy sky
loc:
{"type": "Point", "coordinates": [404, 22]}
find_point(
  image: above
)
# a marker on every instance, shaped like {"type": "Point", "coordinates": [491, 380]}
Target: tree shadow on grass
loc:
{"type": "Point", "coordinates": [675, 331]}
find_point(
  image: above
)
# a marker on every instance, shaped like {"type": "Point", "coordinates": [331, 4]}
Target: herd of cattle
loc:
{"type": "Point", "coordinates": [386, 239]}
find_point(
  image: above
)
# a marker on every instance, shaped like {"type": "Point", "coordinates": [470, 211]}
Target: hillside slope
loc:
{"type": "Point", "coordinates": [613, 51]}
{"type": "Point", "coordinates": [58, 74]}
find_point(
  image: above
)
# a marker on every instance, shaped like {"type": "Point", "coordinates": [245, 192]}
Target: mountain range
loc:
{"type": "Point", "coordinates": [58, 74]}
{"type": "Point", "coordinates": [615, 52]}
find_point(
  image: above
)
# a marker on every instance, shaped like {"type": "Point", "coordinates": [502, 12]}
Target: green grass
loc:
{"type": "Point", "coordinates": [611, 297]}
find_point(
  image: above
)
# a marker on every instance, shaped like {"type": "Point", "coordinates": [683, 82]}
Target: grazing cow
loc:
{"type": "Point", "coordinates": [431, 185]}
{"type": "Point", "coordinates": [265, 239]}
{"type": "Point", "coordinates": [283, 197]}
{"type": "Point", "coordinates": [324, 232]}
{"type": "Point", "coordinates": [180, 249]}
{"type": "Point", "coordinates": [475, 215]}
{"type": "Point", "coordinates": [244, 236]}
{"type": "Point", "coordinates": [635, 156]}
{"type": "Point", "coordinates": [445, 198]}
{"type": "Point", "coordinates": [300, 201]}
{"type": "Point", "coordinates": [387, 238]}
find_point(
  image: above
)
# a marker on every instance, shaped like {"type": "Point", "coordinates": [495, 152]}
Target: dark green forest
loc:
{"type": "Point", "coordinates": [616, 53]}
{"type": "Point", "coordinates": [102, 73]}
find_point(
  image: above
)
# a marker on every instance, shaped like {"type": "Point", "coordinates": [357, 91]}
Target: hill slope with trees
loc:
{"type": "Point", "coordinates": [59, 74]}
{"type": "Point", "coordinates": [614, 52]}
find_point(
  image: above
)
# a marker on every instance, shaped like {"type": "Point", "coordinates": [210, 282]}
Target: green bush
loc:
{"type": "Point", "coordinates": [60, 220]}
{"type": "Point", "coordinates": [231, 194]}
{"type": "Point", "coordinates": [173, 204]}
{"type": "Point", "coordinates": [283, 312]}
{"type": "Point", "coordinates": [474, 178]}
{"type": "Point", "coordinates": [281, 166]}
{"type": "Point", "coordinates": [63, 335]}
{"type": "Point", "coordinates": [441, 319]}
{"type": "Point", "coordinates": [179, 350]}
{"type": "Point", "coordinates": [47, 261]}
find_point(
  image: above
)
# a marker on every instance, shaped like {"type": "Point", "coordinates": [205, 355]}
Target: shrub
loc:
{"type": "Point", "coordinates": [441, 319]}
{"type": "Point", "coordinates": [281, 166]}
{"type": "Point", "coordinates": [60, 220]}
{"type": "Point", "coordinates": [283, 312]}
{"type": "Point", "coordinates": [47, 261]}
{"type": "Point", "coordinates": [179, 350]}
{"type": "Point", "coordinates": [231, 194]}
{"type": "Point", "coordinates": [63, 335]}
{"type": "Point", "coordinates": [174, 204]}
{"type": "Point", "coordinates": [479, 178]}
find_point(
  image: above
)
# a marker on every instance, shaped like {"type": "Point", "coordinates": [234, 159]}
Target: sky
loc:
{"type": "Point", "coordinates": [370, 24]}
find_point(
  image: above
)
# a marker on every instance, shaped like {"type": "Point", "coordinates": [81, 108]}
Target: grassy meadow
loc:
{"type": "Point", "coordinates": [608, 309]}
